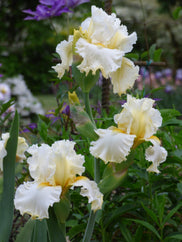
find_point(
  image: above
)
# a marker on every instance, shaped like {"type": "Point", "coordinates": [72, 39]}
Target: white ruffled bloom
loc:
{"type": "Point", "coordinates": [21, 148]}
{"type": "Point", "coordinates": [54, 169]}
{"type": "Point", "coordinates": [101, 42]}
{"type": "Point", "coordinates": [137, 122]}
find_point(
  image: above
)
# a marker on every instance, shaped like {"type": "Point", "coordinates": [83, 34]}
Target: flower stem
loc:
{"type": "Point", "coordinates": [87, 106]}
{"type": "Point", "coordinates": [90, 227]}
{"type": "Point", "coordinates": [91, 222]}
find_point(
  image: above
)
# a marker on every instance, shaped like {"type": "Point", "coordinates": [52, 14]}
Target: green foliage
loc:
{"type": "Point", "coordinates": [6, 202]}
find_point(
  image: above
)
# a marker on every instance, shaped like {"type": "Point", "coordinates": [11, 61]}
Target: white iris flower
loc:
{"type": "Point", "coordinates": [54, 169]}
{"type": "Point", "coordinates": [101, 42]}
{"type": "Point", "coordinates": [21, 148]}
{"type": "Point", "coordinates": [137, 122]}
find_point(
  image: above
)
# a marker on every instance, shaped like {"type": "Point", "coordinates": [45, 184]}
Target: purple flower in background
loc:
{"type": "Point", "coordinates": [143, 72]}
{"type": "Point", "coordinates": [66, 109]}
{"type": "Point", "coordinates": [74, 3]}
{"type": "Point", "coordinates": [167, 72]}
{"type": "Point", "coordinates": [179, 74]}
{"type": "Point", "coordinates": [29, 128]}
{"type": "Point", "coordinates": [51, 8]}
{"type": "Point", "coordinates": [158, 75]}
{"type": "Point", "coordinates": [47, 9]}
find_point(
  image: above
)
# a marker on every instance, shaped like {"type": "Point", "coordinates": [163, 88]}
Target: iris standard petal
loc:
{"type": "Point", "coordinates": [97, 57]}
{"type": "Point", "coordinates": [124, 77]}
{"type": "Point", "coordinates": [139, 117]}
{"type": "Point", "coordinates": [41, 166]}
{"type": "Point", "coordinates": [156, 154]}
{"type": "Point", "coordinates": [90, 189]}
{"type": "Point", "coordinates": [112, 145]}
{"type": "Point", "coordinates": [35, 199]}
{"type": "Point", "coordinates": [104, 26]}
{"type": "Point", "coordinates": [68, 163]}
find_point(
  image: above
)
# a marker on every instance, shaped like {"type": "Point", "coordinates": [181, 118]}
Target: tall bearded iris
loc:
{"type": "Point", "coordinates": [54, 169]}
{"type": "Point", "coordinates": [101, 42]}
{"type": "Point", "coordinates": [137, 122]}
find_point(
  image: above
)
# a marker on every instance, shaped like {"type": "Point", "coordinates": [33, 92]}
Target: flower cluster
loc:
{"type": "Point", "coordinates": [101, 43]}
{"type": "Point", "coordinates": [54, 169]}
{"type": "Point", "coordinates": [51, 8]}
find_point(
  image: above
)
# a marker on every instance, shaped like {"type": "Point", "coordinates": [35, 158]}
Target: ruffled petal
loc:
{"type": "Point", "coordinates": [35, 199]}
{"type": "Point", "coordinates": [68, 163]}
{"type": "Point", "coordinates": [64, 49]}
{"type": "Point", "coordinates": [97, 57]}
{"type": "Point", "coordinates": [104, 26]}
{"type": "Point", "coordinates": [112, 145]}
{"type": "Point", "coordinates": [156, 154]}
{"type": "Point", "coordinates": [122, 41]}
{"type": "Point", "coordinates": [139, 117]}
{"type": "Point", "coordinates": [124, 77]}
{"type": "Point", "coordinates": [42, 168]}
{"type": "Point", "coordinates": [90, 189]}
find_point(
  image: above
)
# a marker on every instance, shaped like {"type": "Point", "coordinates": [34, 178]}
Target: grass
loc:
{"type": "Point", "coordinates": [48, 101]}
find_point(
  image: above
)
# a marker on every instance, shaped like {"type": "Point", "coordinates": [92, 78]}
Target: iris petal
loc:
{"type": "Point", "coordinates": [90, 189]}
{"type": "Point", "coordinates": [112, 145]}
{"type": "Point", "coordinates": [156, 154]}
{"type": "Point", "coordinates": [35, 199]}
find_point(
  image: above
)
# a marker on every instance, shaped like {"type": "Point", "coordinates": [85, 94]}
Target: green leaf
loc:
{"type": "Point", "coordinates": [125, 232]}
{"type": "Point", "coordinates": [171, 213]}
{"type": "Point", "coordinates": [177, 154]}
{"type": "Point", "coordinates": [6, 204]}
{"type": "Point", "coordinates": [176, 13]}
{"type": "Point", "coordinates": [6, 105]}
{"type": "Point", "coordinates": [26, 232]}
{"type": "Point", "coordinates": [152, 51]}
{"type": "Point", "coordinates": [54, 230]}
{"type": "Point", "coordinates": [112, 216]}
{"type": "Point", "coordinates": [146, 225]}
{"type": "Point", "coordinates": [75, 230]}
{"type": "Point", "coordinates": [144, 55]}
{"type": "Point", "coordinates": [133, 56]}
{"type": "Point", "coordinates": [179, 185]}
{"type": "Point", "coordinates": [157, 55]}
{"type": "Point", "coordinates": [40, 232]}
{"type": "Point", "coordinates": [83, 123]}
{"type": "Point", "coordinates": [151, 214]}
{"type": "Point", "coordinates": [86, 82]}
{"type": "Point", "coordinates": [168, 114]}
{"type": "Point", "coordinates": [62, 208]}
{"type": "Point", "coordinates": [114, 174]}
{"type": "Point", "coordinates": [174, 236]}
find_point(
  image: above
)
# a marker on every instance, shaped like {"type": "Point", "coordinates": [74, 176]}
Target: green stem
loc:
{"type": "Point", "coordinates": [90, 227]}
{"type": "Point", "coordinates": [96, 170]}
{"type": "Point", "coordinates": [91, 222]}
{"type": "Point", "coordinates": [87, 106]}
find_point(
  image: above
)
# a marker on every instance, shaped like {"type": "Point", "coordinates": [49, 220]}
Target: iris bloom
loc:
{"type": "Point", "coordinates": [137, 122]}
{"type": "Point", "coordinates": [101, 43]}
{"type": "Point", "coordinates": [21, 148]}
{"type": "Point", "coordinates": [54, 169]}
{"type": "Point", "coordinates": [51, 8]}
